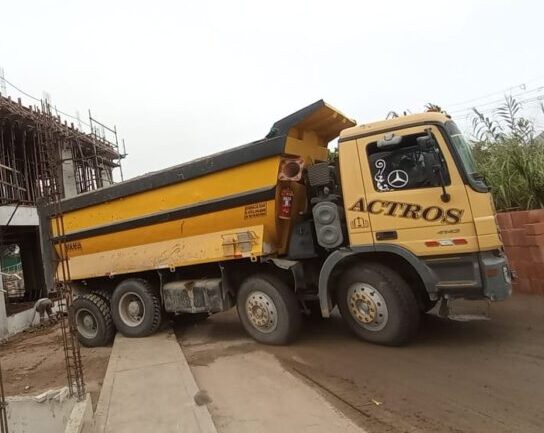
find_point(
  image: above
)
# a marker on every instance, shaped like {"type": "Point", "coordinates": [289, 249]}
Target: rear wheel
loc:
{"type": "Point", "coordinates": [378, 305]}
{"type": "Point", "coordinates": [136, 308]}
{"type": "Point", "coordinates": [93, 320]}
{"type": "Point", "coordinates": [268, 309]}
{"type": "Point", "coordinates": [103, 293]}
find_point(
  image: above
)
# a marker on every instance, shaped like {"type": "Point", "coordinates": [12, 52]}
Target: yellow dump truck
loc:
{"type": "Point", "coordinates": [397, 221]}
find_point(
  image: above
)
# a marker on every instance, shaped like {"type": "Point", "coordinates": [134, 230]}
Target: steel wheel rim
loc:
{"type": "Point", "coordinates": [86, 323]}
{"type": "Point", "coordinates": [262, 312]}
{"type": "Point", "coordinates": [367, 306]}
{"type": "Point", "coordinates": [131, 309]}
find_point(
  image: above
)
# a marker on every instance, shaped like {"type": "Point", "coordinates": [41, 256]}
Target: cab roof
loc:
{"type": "Point", "coordinates": [395, 123]}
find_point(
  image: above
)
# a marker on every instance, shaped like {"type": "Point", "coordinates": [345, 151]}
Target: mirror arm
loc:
{"type": "Point", "coordinates": [445, 196]}
{"type": "Point", "coordinates": [438, 169]}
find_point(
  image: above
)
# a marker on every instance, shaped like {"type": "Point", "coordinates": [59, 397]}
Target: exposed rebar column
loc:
{"type": "Point", "coordinates": [3, 311]}
{"type": "Point", "coordinates": [3, 404]}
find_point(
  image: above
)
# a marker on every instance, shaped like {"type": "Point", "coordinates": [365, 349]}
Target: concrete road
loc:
{"type": "Point", "coordinates": [149, 388]}
{"type": "Point", "coordinates": [480, 377]}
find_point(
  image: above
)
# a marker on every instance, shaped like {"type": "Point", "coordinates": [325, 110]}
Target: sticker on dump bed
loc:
{"type": "Point", "coordinates": [71, 246]}
{"type": "Point", "coordinates": [255, 210]}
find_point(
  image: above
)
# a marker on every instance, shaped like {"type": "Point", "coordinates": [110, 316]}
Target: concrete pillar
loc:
{"type": "Point", "coordinates": [48, 255]}
{"type": "Point", "coordinates": [31, 259]}
{"type": "Point", "coordinates": [68, 173]}
{"type": "Point", "coordinates": [106, 176]}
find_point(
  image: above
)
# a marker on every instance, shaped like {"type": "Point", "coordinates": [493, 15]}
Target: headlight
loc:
{"type": "Point", "coordinates": [506, 273]}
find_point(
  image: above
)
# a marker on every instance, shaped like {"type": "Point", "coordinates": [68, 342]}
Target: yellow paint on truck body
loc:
{"type": "Point", "coordinates": [180, 242]}
{"type": "Point", "coordinates": [213, 186]}
{"type": "Point", "coordinates": [245, 242]}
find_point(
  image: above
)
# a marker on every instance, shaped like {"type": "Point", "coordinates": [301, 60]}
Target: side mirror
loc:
{"type": "Point", "coordinates": [389, 141]}
{"type": "Point", "coordinates": [427, 142]}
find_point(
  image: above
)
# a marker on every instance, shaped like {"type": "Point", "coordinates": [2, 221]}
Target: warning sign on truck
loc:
{"type": "Point", "coordinates": [255, 210]}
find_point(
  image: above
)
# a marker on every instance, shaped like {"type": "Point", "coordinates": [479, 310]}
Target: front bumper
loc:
{"type": "Point", "coordinates": [484, 275]}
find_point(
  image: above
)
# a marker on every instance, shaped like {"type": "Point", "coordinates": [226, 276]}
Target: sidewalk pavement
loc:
{"type": "Point", "coordinates": [149, 388]}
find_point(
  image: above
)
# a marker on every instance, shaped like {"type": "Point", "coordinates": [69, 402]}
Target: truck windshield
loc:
{"type": "Point", "coordinates": [464, 151]}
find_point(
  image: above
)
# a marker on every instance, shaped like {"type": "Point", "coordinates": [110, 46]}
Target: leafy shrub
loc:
{"type": "Point", "coordinates": [510, 155]}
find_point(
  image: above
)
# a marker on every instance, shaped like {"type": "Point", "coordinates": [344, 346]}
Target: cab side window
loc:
{"type": "Point", "coordinates": [407, 166]}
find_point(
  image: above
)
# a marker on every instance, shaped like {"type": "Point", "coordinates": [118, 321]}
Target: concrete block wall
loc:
{"type": "Point", "coordinates": [522, 233]}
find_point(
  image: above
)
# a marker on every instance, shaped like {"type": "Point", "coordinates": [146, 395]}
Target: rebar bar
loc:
{"type": "Point", "coordinates": [3, 406]}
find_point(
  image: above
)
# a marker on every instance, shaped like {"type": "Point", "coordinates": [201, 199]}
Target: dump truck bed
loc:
{"type": "Point", "coordinates": [216, 208]}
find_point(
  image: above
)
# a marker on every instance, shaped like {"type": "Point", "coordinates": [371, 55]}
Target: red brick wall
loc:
{"type": "Point", "coordinates": [523, 237]}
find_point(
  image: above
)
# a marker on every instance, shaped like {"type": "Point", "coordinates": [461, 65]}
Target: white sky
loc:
{"type": "Point", "coordinates": [184, 79]}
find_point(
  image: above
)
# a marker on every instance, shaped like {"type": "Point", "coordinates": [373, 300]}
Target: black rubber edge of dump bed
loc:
{"type": "Point", "coordinates": [273, 144]}
{"type": "Point", "coordinates": [218, 204]}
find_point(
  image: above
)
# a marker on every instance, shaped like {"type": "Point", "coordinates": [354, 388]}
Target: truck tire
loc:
{"type": "Point", "coordinates": [378, 305]}
{"type": "Point", "coordinates": [103, 293]}
{"type": "Point", "coordinates": [268, 310]}
{"type": "Point", "coordinates": [136, 308]}
{"type": "Point", "coordinates": [92, 318]}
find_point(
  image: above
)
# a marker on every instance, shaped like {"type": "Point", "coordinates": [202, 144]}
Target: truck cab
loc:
{"type": "Point", "coordinates": [414, 203]}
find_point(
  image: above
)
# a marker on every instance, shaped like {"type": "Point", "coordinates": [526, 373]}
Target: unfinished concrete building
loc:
{"type": "Point", "coordinates": [40, 153]}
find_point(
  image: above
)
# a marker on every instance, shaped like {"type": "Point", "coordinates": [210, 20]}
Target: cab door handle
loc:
{"type": "Point", "coordinates": [386, 236]}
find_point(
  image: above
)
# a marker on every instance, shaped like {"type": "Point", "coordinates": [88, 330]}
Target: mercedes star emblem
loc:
{"type": "Point", "coordinates": [397, 178]}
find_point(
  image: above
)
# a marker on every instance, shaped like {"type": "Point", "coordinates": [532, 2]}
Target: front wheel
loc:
{"type": "Point", "coordinates": [378, 305]}
{"type": "Point", "coordinates": [268, 309]}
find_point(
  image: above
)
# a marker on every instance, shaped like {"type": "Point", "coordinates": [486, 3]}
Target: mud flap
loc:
{"type": "Point", "coordinates": [462, 310]}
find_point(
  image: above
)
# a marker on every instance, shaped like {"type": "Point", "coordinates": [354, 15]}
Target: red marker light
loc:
{"type": "Point", "coordinates": [460, 241]}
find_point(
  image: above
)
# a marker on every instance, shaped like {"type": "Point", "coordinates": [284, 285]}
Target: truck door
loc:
{"type": "Point", "coordinates": [404, 195]}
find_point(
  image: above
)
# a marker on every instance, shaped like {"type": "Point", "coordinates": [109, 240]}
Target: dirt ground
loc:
{"type": "Point", "coordinates": [33, 362]}
{"type": "Point", "coordinates": [470, 377]}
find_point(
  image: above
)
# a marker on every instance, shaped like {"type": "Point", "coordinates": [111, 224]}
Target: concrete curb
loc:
{"type": "Point", "coordinates": [102, 407]}
{"type": "Point", "coordinates": [148, 383]}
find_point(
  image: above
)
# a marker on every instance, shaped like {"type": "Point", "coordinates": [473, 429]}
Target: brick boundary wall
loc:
{"type": "Point", "coordinates": [522, 233]}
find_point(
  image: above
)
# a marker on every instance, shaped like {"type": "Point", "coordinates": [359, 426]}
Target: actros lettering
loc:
{"type": "Point", "coordinates": [409, 210]}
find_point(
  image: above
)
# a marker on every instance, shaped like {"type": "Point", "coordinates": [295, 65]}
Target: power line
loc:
{"type": "Point", "coordinates": [497, 101]}
{"type": "Point", "coordinates": [468, 114]}
{"type": "Point", "coordinates": [522, 86]}
{"type": "Point", "coordinates": [39, 100]}
{"type": "Point", "coordinates": [21, 91]}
